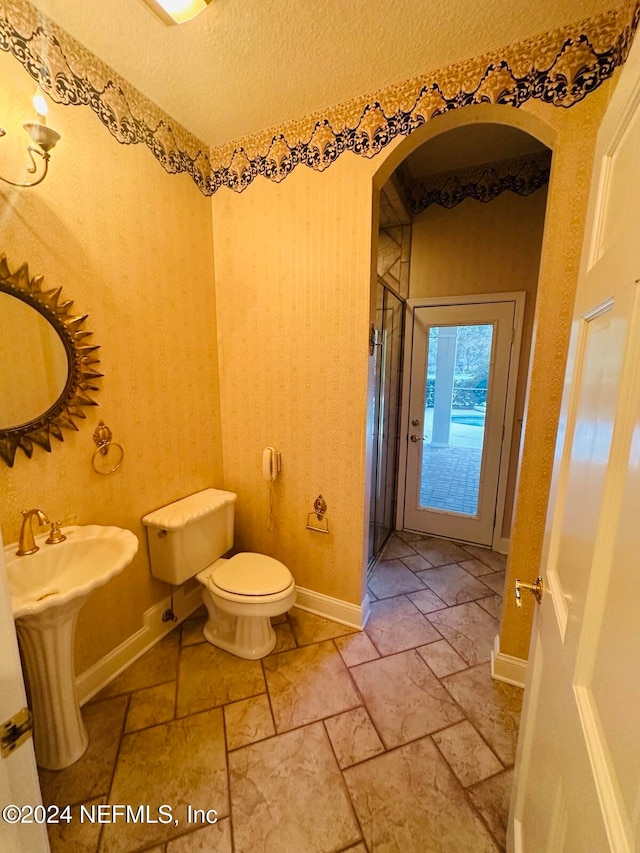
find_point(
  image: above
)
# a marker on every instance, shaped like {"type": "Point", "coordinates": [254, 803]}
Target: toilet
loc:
{"type": "Point", "coordinates": [187, 539]}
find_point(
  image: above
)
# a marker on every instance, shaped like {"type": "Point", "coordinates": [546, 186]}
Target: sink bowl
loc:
{"type": "Point", "coordinates": [55, 575]}
{"type": "Point", "coordinates": [48, 590]}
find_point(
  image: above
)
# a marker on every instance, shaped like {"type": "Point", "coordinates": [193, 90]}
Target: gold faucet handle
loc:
{"type": "Point", "coordinates": [55, 535]}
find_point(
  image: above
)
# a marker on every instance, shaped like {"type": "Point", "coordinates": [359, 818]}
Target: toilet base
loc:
{"type": "Point", "coordinates": [248, 637]}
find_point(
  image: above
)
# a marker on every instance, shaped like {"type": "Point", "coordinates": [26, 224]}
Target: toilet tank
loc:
{"type": "Point", "coordinates": [188, 535]}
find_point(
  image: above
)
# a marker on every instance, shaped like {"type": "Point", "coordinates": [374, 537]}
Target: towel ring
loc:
{"type": "Point", "coordinates": [102, 437]}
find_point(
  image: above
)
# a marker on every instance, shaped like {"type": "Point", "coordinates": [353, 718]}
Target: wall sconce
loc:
{"type": "Point", "coordinates": [177, 11]}
{"type": "Point", "coordinates": [42, 136]}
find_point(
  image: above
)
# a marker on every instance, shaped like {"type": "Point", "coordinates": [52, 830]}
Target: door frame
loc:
{"type": "Point", "coordinates": [519, 300]}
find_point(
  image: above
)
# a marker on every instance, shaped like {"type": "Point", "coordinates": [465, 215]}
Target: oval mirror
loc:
{"type": "Point", "coordinates": [46, 368]}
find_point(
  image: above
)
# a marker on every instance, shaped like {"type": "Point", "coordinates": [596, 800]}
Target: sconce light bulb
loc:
{"type": "Point", "coordinates": [40, 104]}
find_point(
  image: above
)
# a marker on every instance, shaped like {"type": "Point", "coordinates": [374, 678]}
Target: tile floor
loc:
{"type": "Point", "coordinates": [391, 739]}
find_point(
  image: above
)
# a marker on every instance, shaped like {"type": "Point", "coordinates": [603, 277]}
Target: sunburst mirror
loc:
{"type": "Point", "coordinates": [47, 369]}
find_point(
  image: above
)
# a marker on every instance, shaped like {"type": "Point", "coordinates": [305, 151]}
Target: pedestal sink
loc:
{"type": "Point", "coordinates": [48, 589]}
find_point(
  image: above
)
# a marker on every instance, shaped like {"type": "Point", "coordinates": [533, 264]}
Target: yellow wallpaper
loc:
{"type": "Point", "coordinates": [132, 247]}
{"type": "Point", "coordinates": [293, 270]}
{"type": "Point", "coordinates": [484, 248]}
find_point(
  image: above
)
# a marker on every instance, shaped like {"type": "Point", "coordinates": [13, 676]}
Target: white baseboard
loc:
{"type": "Point", "coordinates": [507, 668]}
{"type": "Point", "coordinates": [92, 680]}
{"type": "Point", "coordinates": [353, 615]}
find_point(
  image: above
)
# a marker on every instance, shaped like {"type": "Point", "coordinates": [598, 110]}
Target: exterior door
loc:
{"type": "Point", "coordinates": [460, 368]}
{"type": "Point", "coordinates": [577, 774]}
{"type": "Point", "coordinates": [18, 775]}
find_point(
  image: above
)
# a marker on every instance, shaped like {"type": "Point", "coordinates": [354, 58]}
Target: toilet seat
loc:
{"type": "Point", "coordinates": [248, 576]}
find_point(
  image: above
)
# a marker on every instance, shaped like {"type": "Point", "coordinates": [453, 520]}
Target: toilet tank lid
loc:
{"type": "Point", "coordinates": [180, 513]}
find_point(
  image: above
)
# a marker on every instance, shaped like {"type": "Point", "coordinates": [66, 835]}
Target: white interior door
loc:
{"type": "Point", "coordinates": [461, 361]}
{"type": "Point", "coordinates": [577, 779]}
{"type": "Point", "coordinates": [18, 774]}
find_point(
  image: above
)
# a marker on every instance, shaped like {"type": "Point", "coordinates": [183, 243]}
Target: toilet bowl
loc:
{"type": "Point", "coordinates": [241, 593]}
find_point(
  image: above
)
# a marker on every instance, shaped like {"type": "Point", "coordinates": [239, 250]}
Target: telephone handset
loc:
{"type": "Point", "coordinates": [271, 464]}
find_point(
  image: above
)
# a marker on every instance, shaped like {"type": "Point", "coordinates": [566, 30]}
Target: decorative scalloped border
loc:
{"type": "Point", "coordinates": [559, 68]}
{"type": "Point", "coordinates": [521, 175]}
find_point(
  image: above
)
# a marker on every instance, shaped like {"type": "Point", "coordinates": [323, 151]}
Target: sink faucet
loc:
{"type": "Point", "coordinates": [26, 545]}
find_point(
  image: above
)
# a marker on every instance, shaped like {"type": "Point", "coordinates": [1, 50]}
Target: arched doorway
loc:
{"type": "Point", "coordinates": [454, 248]}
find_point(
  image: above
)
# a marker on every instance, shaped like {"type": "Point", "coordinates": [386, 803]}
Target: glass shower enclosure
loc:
{"type": "Point", "coordinates": [389, 323]}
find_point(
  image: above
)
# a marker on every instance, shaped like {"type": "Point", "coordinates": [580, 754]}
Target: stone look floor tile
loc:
{"type": "Point", "coordinates": [495, 582]}
{"type": "Point", "coordinates": [391, 578]}
{"type": "Point", "coordinates": [409, 801]}
{"type": "Point", "coordinates": [151, 706]}
{"type": "Point", "coordinates": [308, 684]}
{"type": "Point", "coordinates": [466, 753]}
{"type": "Point", "coordinates": [209, 677]}
{"type": "Point", "coordinates": [210, 839]}
{"type": "Point", "coordinates": [440, 552]}
{"type": "Point", "coordinates": [403, 697]}
{"type": "Point", "coordinates": [288, 796]}
{"type": "Point", "coordinates": [284, 638]}
{"type": "Point", "coordinates": [426, 601]}
{"type": "Point", "coordinates": [497, 562]}
{"type": "Point", "coordinates": [396, 625]}
{"type": "Point", "coordinates": [309, 628]}
{"type": "Point", "coordinates": [248, 721]}
{"type": "Point", "coordinates": [76, 836]}
{"type": "Point", "coordinates": [175, 763]}
{"type": "Point", "coordinates": [192, 631]}
{"type": "Point", "coordinates": [441, 658]}
{"type": "Point", "coordinates": [409, 536]}
{"type": "Point", "coordinates": [492, 799]}
{"type": "Point", "coordinates": [475, 568]}
{"type": "Point", "coordinates": [290, 786]}
{"type": "Point", "coordinates": [156, 666]}
{"type": "Point", "coordinates": [453, 585]}
{"type": "Point", "coordinates": [90, 776]}
{"type": "Point", "coordinates": [396, 547]}
{"type": "Point", "coordinates": [491, 706]}
{"type": "Point", "coordinates": [353, 737]}
{"type": "Point", "coordinates": [469, 629]}
{"type": "Point", "coordinates": [493, 606]}
{"type": "Point", "coordinates": [356, 648]}
{"type": "Point", "coordinates": [416, 563]}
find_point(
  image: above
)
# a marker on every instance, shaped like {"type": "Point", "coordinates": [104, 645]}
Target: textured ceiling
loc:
{"type": "Point", "coordinates": [245, 65]}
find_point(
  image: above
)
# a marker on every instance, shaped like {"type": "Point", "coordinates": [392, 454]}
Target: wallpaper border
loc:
{"type": "Point", "coordinates": [559, 68]}
{"type": "Point", "coordinates": [521, 175]}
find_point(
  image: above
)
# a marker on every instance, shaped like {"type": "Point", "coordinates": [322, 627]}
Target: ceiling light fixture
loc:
{"type": "Point", "coordinates": [44, 138]}
{"type": "Point", "coordinates": [177, 11]}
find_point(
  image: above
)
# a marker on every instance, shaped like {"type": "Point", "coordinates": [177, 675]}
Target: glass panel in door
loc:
{"type": "Point", "coordinates": [460, 359]}
{"type": "Point", "coordinates": [458, 366]}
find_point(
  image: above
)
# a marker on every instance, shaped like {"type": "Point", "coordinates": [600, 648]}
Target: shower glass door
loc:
{"type": "Point", "coordinates": [386, 416]}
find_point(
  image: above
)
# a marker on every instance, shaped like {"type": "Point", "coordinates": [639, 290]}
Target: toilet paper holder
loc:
{"type": "Point", "coordinates": [321, 522]}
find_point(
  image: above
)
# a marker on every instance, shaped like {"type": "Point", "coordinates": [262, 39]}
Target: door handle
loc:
{"type": "Point", "coordinates": [536, 588]}
{"type": "Point", "coordinates": [416, 437]}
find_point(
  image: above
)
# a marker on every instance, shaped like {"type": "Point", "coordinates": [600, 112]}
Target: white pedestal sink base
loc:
{"type": "Point", "coordinates": [48, 588]}
{"type": "Point", "coordinates": [46, 643]}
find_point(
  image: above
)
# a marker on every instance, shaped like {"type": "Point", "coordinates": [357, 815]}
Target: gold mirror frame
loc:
{"type": "Point", "coordinates": [81, 358]}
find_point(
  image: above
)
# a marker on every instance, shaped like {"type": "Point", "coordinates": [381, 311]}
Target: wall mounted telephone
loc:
{"type": "Point", "coordinates": [271, 464]}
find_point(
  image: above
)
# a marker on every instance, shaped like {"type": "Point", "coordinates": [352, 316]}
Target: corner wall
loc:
{"type": "Point", "coordinates": [293, 270]}
{"type": "Point", "coordinates": [131, 246]}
